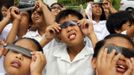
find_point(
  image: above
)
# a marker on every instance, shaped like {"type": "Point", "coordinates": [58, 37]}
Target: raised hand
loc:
{"type": "Point", "coordinates": [38, 63]}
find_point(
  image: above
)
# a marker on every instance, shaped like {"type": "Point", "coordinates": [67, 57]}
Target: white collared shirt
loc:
{"type": "Point", "coordinates": [5, 31]}
{"type": "Point", "coordinates": [58, 62]}
{"type": "Point", "coordinates": [33, 34]}
{"type": "Point", "coordinates": [100, 29]}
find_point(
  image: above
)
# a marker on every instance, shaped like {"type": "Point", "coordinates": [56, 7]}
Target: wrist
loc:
{"type": "Point", "coordinates": [91, 34]}
{"type": "Point", "coordinates": [36, 74]}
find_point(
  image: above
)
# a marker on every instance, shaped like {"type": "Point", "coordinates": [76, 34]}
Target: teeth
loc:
{"type": "Point", "coordinates": [121, 66]}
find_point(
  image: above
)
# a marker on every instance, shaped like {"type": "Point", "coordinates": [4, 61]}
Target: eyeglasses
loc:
{"type": "Point", "coordinates": [68, 23]}
{"type": "Point", "coordinates": [19, 49]}
{"type": "Point", "coordinates": [59, 8]}
{"type": "Point", "coordinates": [125, 51]}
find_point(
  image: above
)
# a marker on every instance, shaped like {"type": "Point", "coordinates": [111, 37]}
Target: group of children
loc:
{"type": "Point", "coordinates": [66, 43]}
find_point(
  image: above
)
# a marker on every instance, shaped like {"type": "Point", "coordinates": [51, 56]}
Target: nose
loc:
{"type": "Point", "coordinates": [69, 28]}
{"type": "Point", "coordinates": [19, 56]}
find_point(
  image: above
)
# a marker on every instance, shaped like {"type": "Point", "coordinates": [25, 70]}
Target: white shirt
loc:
{"type": "Point", "coordinates": [33, 34]}
{"type": "Point", "coordinates": [5, 31]}
{"type": "Point", "coordinates": [100, 29]}
{"type": "Point", "coordinates": [2, 74]}
{"type": "Point", "coordinates": [58, 62]}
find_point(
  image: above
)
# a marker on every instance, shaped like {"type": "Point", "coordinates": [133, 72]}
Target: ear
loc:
{"type": "Point", "coordinates": [93, 62]}
{"type": "Point", "coordinates": [118, 31]}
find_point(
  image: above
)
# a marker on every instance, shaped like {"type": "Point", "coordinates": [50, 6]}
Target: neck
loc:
{"type": "Point", "coordinates": [74, 50]}
{"type": "Point", "coordinates": [42, 29]}
{"type": "Point", "coordinates": [97, 19]}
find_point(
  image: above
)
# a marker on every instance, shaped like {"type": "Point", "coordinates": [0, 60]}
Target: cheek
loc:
{"type": "Point", "coordinates": [26, 61]}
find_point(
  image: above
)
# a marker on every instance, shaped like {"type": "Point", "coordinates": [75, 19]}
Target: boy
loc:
{"type": "Point", "coordinates": [121, 22]}
{"type": "Point", "coordinates": [19, 61]}
{"type": "Point", "coordinates": [72, 57]}
{"type": "Point", "coordinates": [116, 52]}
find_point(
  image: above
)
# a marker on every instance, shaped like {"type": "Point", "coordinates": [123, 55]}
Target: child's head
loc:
{"type": "Point", "coordinates": [119, 22]}
{"type": "Point", "coordinates": [98, 11]}
{"type": "Point", "coordinates": [122, 44]}
{"type": "Point", "coordinates": [16, 63]}
{"type": "Point", "coordinates": [56, 8]}
{"type": "Point", "coordinates": [70, 33]}
{"type": "Point", "coordinates": [5, 6]}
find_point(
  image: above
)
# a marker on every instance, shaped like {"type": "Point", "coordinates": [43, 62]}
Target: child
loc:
{"type": "Point", "coordinates": [18, 62]}
{"type": "Point", "coordinates": [121, 22]}
{"type": "Point", "coordinates": [72, 57]}
{"type": "Point", "coordinates": [114, 56]}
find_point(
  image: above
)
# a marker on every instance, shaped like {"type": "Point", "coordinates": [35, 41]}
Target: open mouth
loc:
{"type": "Point", "coordinates": [121, 68]}
{"type": "Point", "coordinates": [16, 64]}
{"type": "Point", "coordinates": [72, 36]}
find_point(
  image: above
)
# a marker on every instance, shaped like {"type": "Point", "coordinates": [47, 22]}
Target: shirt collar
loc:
{"type": "Point", "coordinates": [61, 52]}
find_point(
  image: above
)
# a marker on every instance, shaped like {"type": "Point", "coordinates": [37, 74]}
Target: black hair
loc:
{"type": "Point", "coordinates": [38, 46]}
{"type": "Point", "coordinates": [57, 4]}
{"type": "Point", "coordinates": [7, 3]}
{"type": "Point", "coordinates": [101, 43]}
{"type": "Point", "coordinates": [115, 21]}
{"type": "Point", "coordinates": [103, 15]}
{"type": "Point", "coordinates": [65, 13]}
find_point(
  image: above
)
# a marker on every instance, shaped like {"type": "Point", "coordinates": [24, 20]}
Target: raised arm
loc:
{"type": "Point", "coordinates": [49, 18]}
{"type": "Point", "coordinates": [88, 30]}
{"type": "Point", "coordinates": [16, 21]}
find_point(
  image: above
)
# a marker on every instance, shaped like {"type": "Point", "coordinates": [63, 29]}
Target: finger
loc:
{"type": "Point", "coordinates": [104, 55]}
{"type": "Point", "coordinates": [99, 57]}
{"type": "Point", "coordinates": [111, 56]}
{"type": "Point", "coordinates": [116, 58]}
{"type": "Point", "coordinates": [129, 64]}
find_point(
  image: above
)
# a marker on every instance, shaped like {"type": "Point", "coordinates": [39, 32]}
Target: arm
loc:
{"type": "Point", "coordinates": [5, 21]}
{"type": "Point", "coordinates": [49, 18]}
{"type": "Point", "coordinates": [108, 5]}
{"type": "Point", "coordinates": [88, 30]}
{"type": "Point", "coordinates": [16, 21]}
{"type": "Point", "coordinates": [50, 34]}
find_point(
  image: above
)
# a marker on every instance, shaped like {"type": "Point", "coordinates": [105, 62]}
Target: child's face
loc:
{"type": "Point", "coordinates": [96, 10]}
{"type": "Point", "coordinates": [37, 17]}
{"type": "Point", "coordinates": [16, 63]}
{"type": "Point", "coordinates": [4, 11]}
{"type": "Point", "coordinates": [55, 9]}
{"type": "Point", "coordinates": [121, 65]}
{"type": "Point", "coordinates": [126, 26]}
{"type": "Point", "coordinates": [71, 35]}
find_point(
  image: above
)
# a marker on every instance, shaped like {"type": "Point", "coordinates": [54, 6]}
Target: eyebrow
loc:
{"type": "Point", "coordinates": [19, 49]}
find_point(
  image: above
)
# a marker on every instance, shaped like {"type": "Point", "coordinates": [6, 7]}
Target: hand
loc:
{"type": "Point", "coordinates": [15, 13]}
{"type": "Point", "coordinates": [38, 63]}
{"type": "Point", "coordinates": [109, 60]}
{"type": "Point", "coordinates": [86, 26]}
{"type": "Point", "coordinates": [107, 4]}
{"type": "Point", "coordinates": [52, 30]}
{"type": "Point", "coordinates": [3, 51]}
{"type": "Point", "coordinates": [132, 66]}
{"type": "Point", "coordinates": [39, 4]}
{"type": "Point", "coordinates": [8, 13]}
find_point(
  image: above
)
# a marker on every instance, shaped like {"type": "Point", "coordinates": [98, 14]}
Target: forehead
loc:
{"type": "Point", "coordinates": [68, 18]}
{"type": "Point", "coordinates": [28, 44]}
{"type": "Point", "coordinates": [118, 41]}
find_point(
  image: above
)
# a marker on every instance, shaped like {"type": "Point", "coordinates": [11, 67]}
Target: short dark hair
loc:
{"type": "Point", "coordinates": [101, 43]}
{"type": "Point", "coordinates": [38, 46]}
{"type": "Point", "coordinates": [116, 20]}
{"type": "Point", "coordinates": [65, 13]}
{"type": "Point", "coordinates": [57, 4]}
